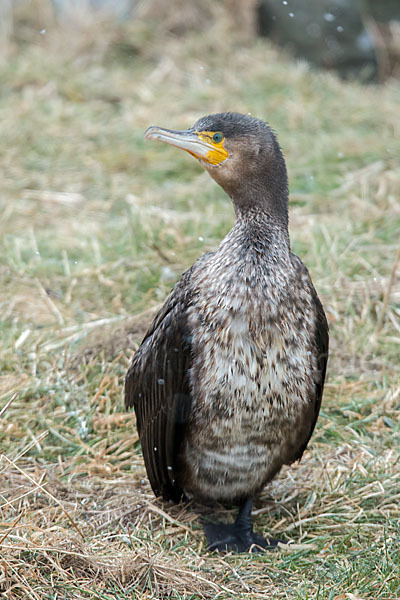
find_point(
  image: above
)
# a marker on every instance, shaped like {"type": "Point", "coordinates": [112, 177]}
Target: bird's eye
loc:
{"type": "Point", "coordinates": [218, 137]}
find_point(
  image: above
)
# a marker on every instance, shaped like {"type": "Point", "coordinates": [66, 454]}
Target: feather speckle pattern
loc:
{"type": "Point", "coordinates": [254, 373]}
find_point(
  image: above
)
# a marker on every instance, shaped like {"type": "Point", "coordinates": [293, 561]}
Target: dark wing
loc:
{"type": "Point", "coordinates": [157, 385]}
{"type": "Point", "coordinates": [321, 338]}
{"type": "Point", "coordinates": [322, 345]}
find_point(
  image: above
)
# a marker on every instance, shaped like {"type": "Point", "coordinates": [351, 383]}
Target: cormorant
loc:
{"type": "Point", "coordinates": [227, 383]}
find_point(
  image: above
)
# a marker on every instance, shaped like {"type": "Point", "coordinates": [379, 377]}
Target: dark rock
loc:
{"type": "Point", "coordinates": [328, 33]}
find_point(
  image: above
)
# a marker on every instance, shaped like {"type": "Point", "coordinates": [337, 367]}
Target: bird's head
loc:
{"type": "Point", "coordinates": [239, 151]}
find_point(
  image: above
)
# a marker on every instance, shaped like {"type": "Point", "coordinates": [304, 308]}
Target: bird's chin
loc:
{"type": "Point", "coordinates": [209, 166]}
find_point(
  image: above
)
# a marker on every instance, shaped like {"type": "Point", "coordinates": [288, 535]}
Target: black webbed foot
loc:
{"type": "Point", "coordinates": [230, 538]}
{"type": "Point", "coordinates": [239, 536]}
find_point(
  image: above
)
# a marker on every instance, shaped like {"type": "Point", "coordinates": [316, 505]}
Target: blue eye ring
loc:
{"type": "Point", "coordinates": [218, 137]}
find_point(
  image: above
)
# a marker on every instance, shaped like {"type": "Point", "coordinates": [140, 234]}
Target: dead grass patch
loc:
{"type": "Point", "coordinates": [96, 227]}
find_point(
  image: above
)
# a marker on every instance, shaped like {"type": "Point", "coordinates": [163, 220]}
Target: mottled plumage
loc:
{"type": "Point", "coordinates": [227, 384]}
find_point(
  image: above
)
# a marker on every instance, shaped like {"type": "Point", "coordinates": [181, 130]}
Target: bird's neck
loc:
{"type": "Point", "coordinates": [264, 218]}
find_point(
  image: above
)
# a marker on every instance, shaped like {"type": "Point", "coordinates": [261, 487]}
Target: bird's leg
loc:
{"type": "Point", "coordinates": [243, 520]}
{"type": "Point", "coordinates": [238, 537]}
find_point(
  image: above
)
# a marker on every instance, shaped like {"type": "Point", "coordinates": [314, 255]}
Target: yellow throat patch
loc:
{"type": "Point", "coordinates": [217, 154]}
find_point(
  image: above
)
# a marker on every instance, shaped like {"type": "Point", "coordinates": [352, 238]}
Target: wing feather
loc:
{"type": "Point", "coordinates": [157, 386]}
{"type": "Point", "coordinates": [321, 339]}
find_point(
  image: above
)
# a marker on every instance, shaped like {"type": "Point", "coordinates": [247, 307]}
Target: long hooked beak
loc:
{"type": "Point", "coordinates": [198, 144]}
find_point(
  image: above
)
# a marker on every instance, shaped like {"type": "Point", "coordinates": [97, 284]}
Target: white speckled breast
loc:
{"type": "Point", "coordinates": [253, 372]}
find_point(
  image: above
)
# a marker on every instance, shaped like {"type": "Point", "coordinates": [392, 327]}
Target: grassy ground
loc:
{"type": "Point", "coordinates": [95, 228]}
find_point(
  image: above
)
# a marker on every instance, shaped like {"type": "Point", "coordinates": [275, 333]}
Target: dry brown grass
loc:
{"type": "Point", "coordinates": [101, 529]}
{"type": "Point", "coordinates": [95, 227]}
